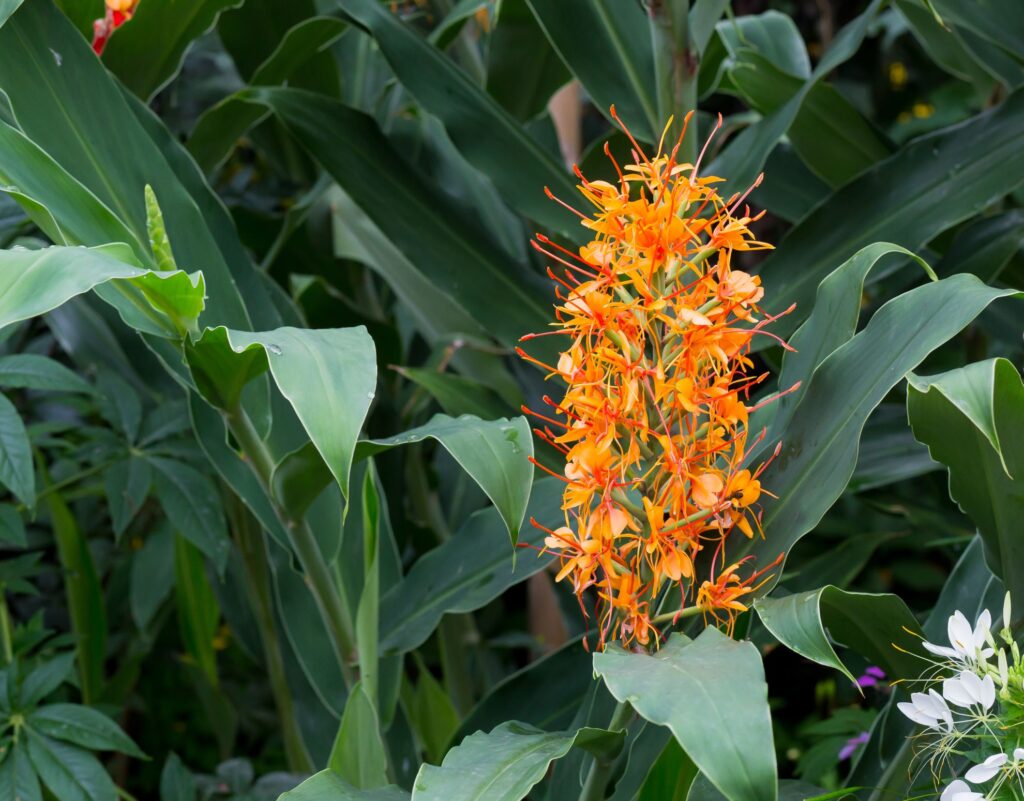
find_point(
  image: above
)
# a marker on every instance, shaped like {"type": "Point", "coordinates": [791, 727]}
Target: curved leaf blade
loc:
{"type": "Point", "coordinates": [972, 420]}
{"type": "Point", "coordinates": [821, 441]}
{"type": "Point", "coordinates": [466, 572]}
{"type": "Point", "coordinates": [712, 694]}
{"type": "Point", "coordinates": [867, 623]}
{"type": "Point", "coordinates": [504, 764]}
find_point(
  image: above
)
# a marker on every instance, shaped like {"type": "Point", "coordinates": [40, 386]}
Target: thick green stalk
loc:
{"type": "Point", "coordinates": [675, 70]}
{"type": "Point", "coordinates": [596, 786]}
{"type": "Point", "coordinates": [257, 567]}
{"type": "Point", "coordinates": [318, 576]}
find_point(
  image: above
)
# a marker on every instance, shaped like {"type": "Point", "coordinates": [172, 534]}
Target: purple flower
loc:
{"type": "Point", "coordinates": [853, 744]}
{"type": "Point", "coordinates": [871, 677]}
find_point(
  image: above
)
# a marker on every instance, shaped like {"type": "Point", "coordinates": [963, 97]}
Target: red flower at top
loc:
{"type": "Point", "coordinates": [118, 13]}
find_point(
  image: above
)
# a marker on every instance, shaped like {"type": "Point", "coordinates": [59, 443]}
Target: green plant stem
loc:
{"type": "Point", "coordinates": [5, 628]}
{"type": "Point", "coordinates": [254, 556]}
{"type": "Point", "coordinates": [675, 70]}
{"type": "Point", "coordinates": [318, 576]}
{"type": "Point", "coordinates": [596, 785]}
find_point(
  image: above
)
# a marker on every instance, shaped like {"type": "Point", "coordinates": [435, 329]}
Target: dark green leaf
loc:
{"type": "Point", "coordinates": [16, 471]}
{"type": "Point", "coordinates": [148, 50]}
{"type": "Point", "coordinates": [487, 135]}
{"type": "Point", "coordinates": [198, 612]}
{"type": "Point", "coordinates": [903, 199]}
{"type": "Point", "coordinates": [44, 679]}
{"type": "Point", "coordinates": [31, 371]}
{"type": "Point", "coordinates": [18, 780]}
{"type": "Point", "coordinates": [810, 622]}
{"type": "Point", "coordinates": [743, 159]}
{"type": "Point", "coordinates": [819, 449]}
{"type": "Point", "coordinates": [126, 484]}
{"type": "Point", "coordinates": [220, 126]}
{"type": "Point", "coordinates": [69, 772]}
{"type": "Point", "coordinates": [193, 505]}
{"type": "Point", "coordinates": [86, 603]}
{"type": "Point", "coordinates": [152, 576]}
{"type": "Point", "coordinates": [522, 86]}
{"type": "Point", "coordinates": [972, 420]}
{"type": "Point", "coordinates": [12, 527]}
{"type": "Point", "coordinates": [466, 572]}
{"type": "Point", "coordinates": [424, 225]}
{"type": "Point", "coordinates": [176, 781]}
{"type": "Point", "coordinates": [83, 726]}
{"type": "Point", "coordinates": [607, 45]}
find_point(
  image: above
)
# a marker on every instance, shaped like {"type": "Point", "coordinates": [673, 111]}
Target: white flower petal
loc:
{"type": "Point", "coordinates": [916, 714]}
{"type": "Point", "coordinates": [1018, 754]}
{"type": "Point", "coordinates": [987, 769]}
{"type": "Point", "coordinates": [942, 709]}
{"type": "Point", "coordinates": [988, 692]}
{"type": "Point", "coordinates": [941, 650]}
{"type": "Point", "coordinates": [955, 791]}
{"type": "Point", "coordinates": [961, 635]}
{"type": "Point", "coordinates": [981, 628]}
{"type": "Point", "coordinates": [954, 692]}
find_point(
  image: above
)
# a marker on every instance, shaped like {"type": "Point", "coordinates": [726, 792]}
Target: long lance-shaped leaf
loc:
{"type": "Point", "coordinates": [972, 420]}
{"type": "Point", "coordinates": [820, 444]}
{"type": "Point", "coordinates": [712, 694]}
{"type": "Point", "coordinates": [329, 377]}
{"type": "Point", "coordinates": [68, 105]}
{"type": "Point", "coordinates": [504, 764]}
{"type": "Point", "coordinates": [869, 624]}
{"type": "Point", "coordinates": [466, 572]}
{"type": "Point", "coordinates": [607, 45]}
{"type": "Point", "coordinates": [904, 199]}
{"type": "Point", "coordinates": [494, 453]}
{"type": "Point", "coordinates": [220, 126]}
{"type": "Point", "coordinates": [86, 606]}
{"type": "Point", "coordinates": [33, 282]}
{"type": "Point", "coordinates": [490, 138]}
{"type": "Point", "coordinates": [8, 7]}
{"type": "Point", "coordinates": [743, 159]}
{"type": "Point", "coordinates": [831, 136]}
{"type": "Point", "coordinates": [456, 258]}
{"type": "Point", "coordinates": [149, 49]}
{"type": "Point", "coordinates": [832, 323]}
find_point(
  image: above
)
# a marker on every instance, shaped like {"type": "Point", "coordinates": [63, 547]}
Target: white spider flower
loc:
{"type": "Point", "coordinates": [929, 709]}
{"type": "Point", "coordinates": [968, 690]}
{"type": "Point", "coordinates": [959, 790]}
{"type": "Point", "coordinates": [968, 646]}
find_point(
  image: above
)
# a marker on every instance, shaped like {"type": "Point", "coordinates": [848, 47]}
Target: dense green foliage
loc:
{"type": "Point", "coordinates": [264, 266]}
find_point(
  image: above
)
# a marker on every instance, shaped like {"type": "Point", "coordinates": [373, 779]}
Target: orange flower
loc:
{"type": "Point", "coordinates": [653, 422]}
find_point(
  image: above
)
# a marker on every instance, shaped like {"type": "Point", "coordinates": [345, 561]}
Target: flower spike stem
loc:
{"type": "Point", "coordinates": [325, 591]}
{"type": "Point", "coordinates": [675, 68]}
{"type": "Point", "coordinates": [596, 785]}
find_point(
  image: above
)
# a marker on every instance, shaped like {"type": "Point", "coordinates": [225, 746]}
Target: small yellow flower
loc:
{"type": "Point", "coordinates": [897, 75]}
{"type": "Point", "coordinates": [923, 110]}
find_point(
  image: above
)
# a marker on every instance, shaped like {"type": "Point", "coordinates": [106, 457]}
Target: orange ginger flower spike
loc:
{"type": "Point", "coordinates": [653, 421]}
